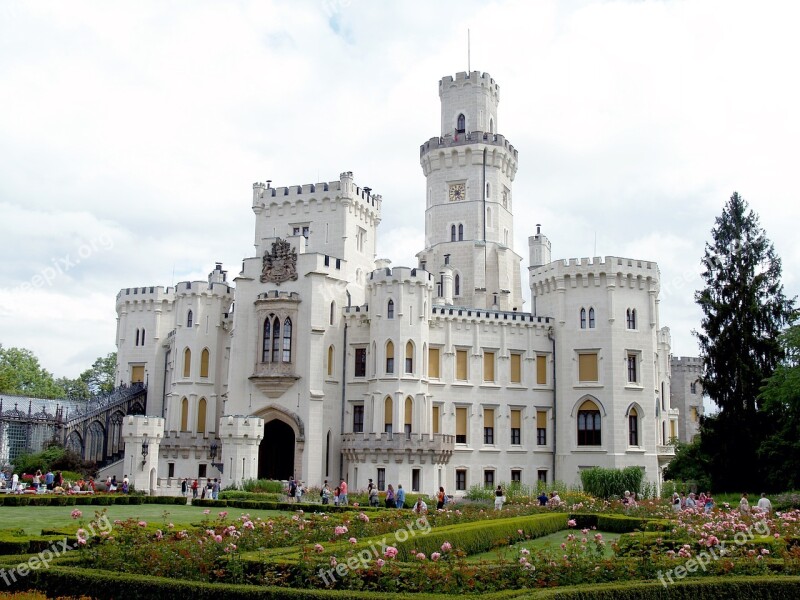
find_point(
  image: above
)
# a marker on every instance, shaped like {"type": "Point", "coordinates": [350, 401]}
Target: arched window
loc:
{"type": "Point", "coordinates": [204, 363]}
{"type": "Point", "coordinates": [591, 318]}
{"type": "Point", "coordinates": [95, 438]}
{"type": "Point", "coordinates": [276, 340]}
{"type": "Point", "coordinates": [387, 414]}
{"type": "Point", "coordinates": [457, 285]}
{"type": "Point", "coordinates": [287, 340]}
{"type": "Point", "coordinates": [267, 340]}
{"type": "Point", "coordinates": [201, 415]}
{"type": "Point", "coordinates": [189, 317]}
{"type": "Point", "coordinates": [488, 217]}
{"type": "Point", "coordinates": [633, 427]}
{"type": "Point", "coordinates": [461, 123]}
{"type": "Point", "coordinates": [631, 318]}
{"type": "Point", "coordinates": [409, 414]}
{"type": "Point", "coordinates": [488, 190]}
{"type": "Point", "coordinates": [452, 233]}
{"type": "Point", "coordinates": [333, 309]}
{"type": "Point", "coordinates": [142, 340]}
{"type": "Point", "coordinates": [491, 125]}
{"type": "Point", "coordinates": [389, 358]}
{"type": "Point", "coordinates": [330, 361]}
{"type": "Point", "coordinates": [390, 309]}
{"type": "Point", "coordinates": [583, 318]}
{"type": "Point", "coordinates": [185, 414]}
{"type": "Point", "coordinates": [460, 232]}
{"type": "Point", "coordinates": [137, 337]}
{"type": "Point", "coordinates": [187, 362]}
{"type": "Point", "coordinates": [589, 424]}
{"type": "Point", "coordinates": [409, 357]}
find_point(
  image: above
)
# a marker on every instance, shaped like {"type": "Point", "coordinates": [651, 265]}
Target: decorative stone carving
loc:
{"type": "Point", "coordinates": [281, 264]}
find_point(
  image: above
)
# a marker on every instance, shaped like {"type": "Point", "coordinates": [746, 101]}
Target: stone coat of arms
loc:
{"type": "Point", "coordinates": [281, 264]}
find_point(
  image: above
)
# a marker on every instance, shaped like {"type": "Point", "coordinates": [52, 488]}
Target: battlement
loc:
{"type": "Point", "coordinates": [279, 295]}
{"type": "Point", "coordinates": [472, 137]}
{"type": "Point", "coordinates": [391, 276]}
{"type": "Point", "coordinates": [464, 78]}
{"type": "Point", "coordinates": [486, 315]}
{"type": "Point", "coordinates": [342, 188]}
{"type": "Point", "coordinates": [689, 363]}
{"type": "Point", "coordinates": [609, 265]}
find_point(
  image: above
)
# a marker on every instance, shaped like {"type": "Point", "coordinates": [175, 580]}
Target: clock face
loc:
{"type": "Point", "coordinates": [457, 191]}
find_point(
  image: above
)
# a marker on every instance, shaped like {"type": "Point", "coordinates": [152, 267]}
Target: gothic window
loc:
{"type": "Point", "coordinates": [389, 358]}
{"type": "Point", "coordinates": [461, 123]}
{"type": "Point", "coordinates": [591, 318]}
{"type": "Point", "coordinates": [333, 310]}
{"type": "Point", "coordinates": [387, 414]}
{"type": "Point", "coordinates": [633, 428]}
{"type": "Point", "coordinates": [589, 424]}
{"type": "Point", "coordinates": [94, 442]}
{"type": "Point", "coordinates": [204, 358]}
{"type": "Point", "coordinates": [189, 317]}
{"type": "Point", "coordinates": [457, 286]}
{"type": "Point", "coordinates": [631, 318]}
{"type": "Point", "coordinates": [287, 340]}
{"type": "Point", "coordinates": [409, 357]}
{"type": "Point", "coordinates": [461, 232]}
{"type": "Point", "coordinates": [583, 318]}
{"type": "Point", "coordinates": [267, 340]}
{"type": "Point", "coordinates": [452, 233]}
{"type": "Point", "coordinates": [330, 360]}
{"type": "Point", "coordinates": [201, 415]}
{"type": "Point", "coordinates": [187, 362]}
{"type": "Point", "coordinates": [390, 309]}
{"type": "Point", "coordinates": [409, 416]}
{"type": "Point", "coordinates": [276, 339]}
{"type": "Point", "coordinates": [184, 414]}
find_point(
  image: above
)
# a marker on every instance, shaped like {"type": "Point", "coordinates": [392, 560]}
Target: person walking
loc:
{"type": "Point", "coordinates": [184, 487]}
{"type": "Point", "coordinates": [440, 496]}
{"type": "Point", "coordinates": [764, 504]}
{"type": "Point", "coordinates": [744, 505]}
{"type": "Point", "coordinates": [194, 489]}
{"type": "Point", "coordinates": [390, 500]}
{"type": "Point", "coordinates": [215, 489]}
{"type": "Point", "coordinates": [499, 498]}
{"type": "Point", "coordinates": [343, 493]}
{"type": "Point", "coordinates": [400, 496]}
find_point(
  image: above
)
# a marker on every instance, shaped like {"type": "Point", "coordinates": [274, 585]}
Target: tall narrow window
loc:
{"type": "Point", "coordinates": [201, 415]}
{"type": "Point", "coordinates": [409, 416]}
{"type": "Point", "coordinates": [461, 123]}
{"type": "Point", "coordinates": [589, 424]}
{"type": "Point", "coordinates": [631, 318]}
{"type": "Point", "coordinates": [328, 452]}
{"type": "Point", "coordinates": [204, 357]}
{"type": "Point", "coordinates": [333, 310]}
{"type": "Point", "coordinates": [591, 318]}
{"type": "Point", "coordinates": [358, 418]}
{"type": "Point", "coordinates": [137, 338]}
{"type": "Point", "coordinates": [488, 479]}
{"type": "Point", "coordinates": [187, 363]}
{"type": "Point", "coordinates": [460, 232]}
{"type": "Point", "coordinates": [488, 366]}
{"type": "Point", "coordinates": [461, 479]}
{"type": "Point", "coordinates": [452, 233]}
{"type": "Point", "coordinates": [381, 478]}
{"type": "Point", "coordinates": [516, 427]}
{"type": "Point", "coordinates": [435, 418]}
{"type": "Point", "coordinates": [389, 358]}
{"type": "Point", "coordinates": [541, 369]}
{"type": "Point", "coordinates": [461, 365]}
{"type": "Point", "coordinates": [583, 318]}
{"type": "Point", "coordinates": [461, 425]}
{"type": "Point", "coordinates": [488, 426]}
{"type": "Point", "coordinates": [189, 317]}
{"type": "Point", "coordinates": [516, 368]}
{"type": "Point", "coordinates": [361, 362]}
{"type": "Point", "coordinates": [633, 427]}
{"type": "Point", "coordinates": [142, 340]}
{"type": "Point", "coordinates": [276, 340]}
{"type": "Point", "coordinates": [265, 350]}
{"type": "Point", "coordinates": [457, 285]}
{"type": "Point", "coordinates": [287, 340]}
{"type": "Point", "coordinates": [388, 406]}
{"type": "Point", "coordinates": [693, 388]}
{"type": "Point", "coordinates": [488, 190]}
{"type": "Point", "coordinates": [390, 309]}
{"type": "Point", "coordinates": [433, 363]}
{"type": "Point", "coordinates": [632, 370]}
{"type": "Point", "coordinates": [541, 428]}
{"type": "Point", "coordinates": [409, 357]}
{"type": "Point", "coordinates": [184, 414]}
{"type": "Point", "coordinates": [330, 361]}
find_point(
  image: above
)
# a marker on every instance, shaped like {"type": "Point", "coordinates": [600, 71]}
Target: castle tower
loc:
{"type": "Point", "coordinates": [687, 395]}
{"type": "Point", "coordinates": [468, 218]}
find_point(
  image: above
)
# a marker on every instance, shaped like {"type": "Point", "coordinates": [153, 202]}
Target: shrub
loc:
{"type": "Point", "coordinates": [263, 485]}
{"type": "Point", "coordinates": [608, 483]}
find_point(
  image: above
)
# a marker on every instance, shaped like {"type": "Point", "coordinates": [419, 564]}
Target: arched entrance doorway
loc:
{"type": "Point", "coordinates": [276, 452]}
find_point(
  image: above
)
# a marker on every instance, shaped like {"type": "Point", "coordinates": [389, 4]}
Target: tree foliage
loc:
{"type": "Point", "coordinates": [690, 465]}
{"type": "Point", "coordinates": [22, 375]}
{"type": "Point", "coordinates": [744, 311]}
{"type": "Point", "coordinates": [99, 378]}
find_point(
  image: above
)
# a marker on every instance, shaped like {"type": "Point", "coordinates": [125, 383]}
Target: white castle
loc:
{"type": "Point", "coordinates": [325, 363]}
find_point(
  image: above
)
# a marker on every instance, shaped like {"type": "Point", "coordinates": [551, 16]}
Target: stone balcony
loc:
{"type": "Point", "coordinates": [410, 448]}
{"type": "Point", "coordinates": [273, 378]}
{"type": "Point", "coordinates": [665, 454]}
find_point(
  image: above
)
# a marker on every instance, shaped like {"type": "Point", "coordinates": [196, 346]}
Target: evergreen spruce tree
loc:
{"type": "Point", "coordinates": [744, 312]}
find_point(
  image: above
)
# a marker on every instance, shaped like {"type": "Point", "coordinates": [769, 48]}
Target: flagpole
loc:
{"type": "Point", "coordinates": [469, 68]}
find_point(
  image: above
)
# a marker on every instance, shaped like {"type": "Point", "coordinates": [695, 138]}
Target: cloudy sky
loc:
{"type": "Point", "coordinates": [131, 134]}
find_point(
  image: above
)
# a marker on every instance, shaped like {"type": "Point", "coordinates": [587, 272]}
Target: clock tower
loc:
{"type": "Point", "coordinates": [469, 225]}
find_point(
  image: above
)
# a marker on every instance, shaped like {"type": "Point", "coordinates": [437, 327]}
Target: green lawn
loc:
{"type": "Point", "coordinates": [33, 518]}
{"type": "Point", "coordinates": [547, 542]}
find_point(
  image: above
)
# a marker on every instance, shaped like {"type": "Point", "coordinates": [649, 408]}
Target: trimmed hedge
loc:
{"type": "Point", "coordinates": [85, 499]}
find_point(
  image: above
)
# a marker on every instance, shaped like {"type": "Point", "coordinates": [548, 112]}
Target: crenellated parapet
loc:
{"type": "Point", "coordinates": [612, 270]}
{"type": "Point", "coordinates": [472, 78]}
{"type": "Point", "coordinates": [468, 139]}
{"type": "Point", "coordinates": [400, 276]}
